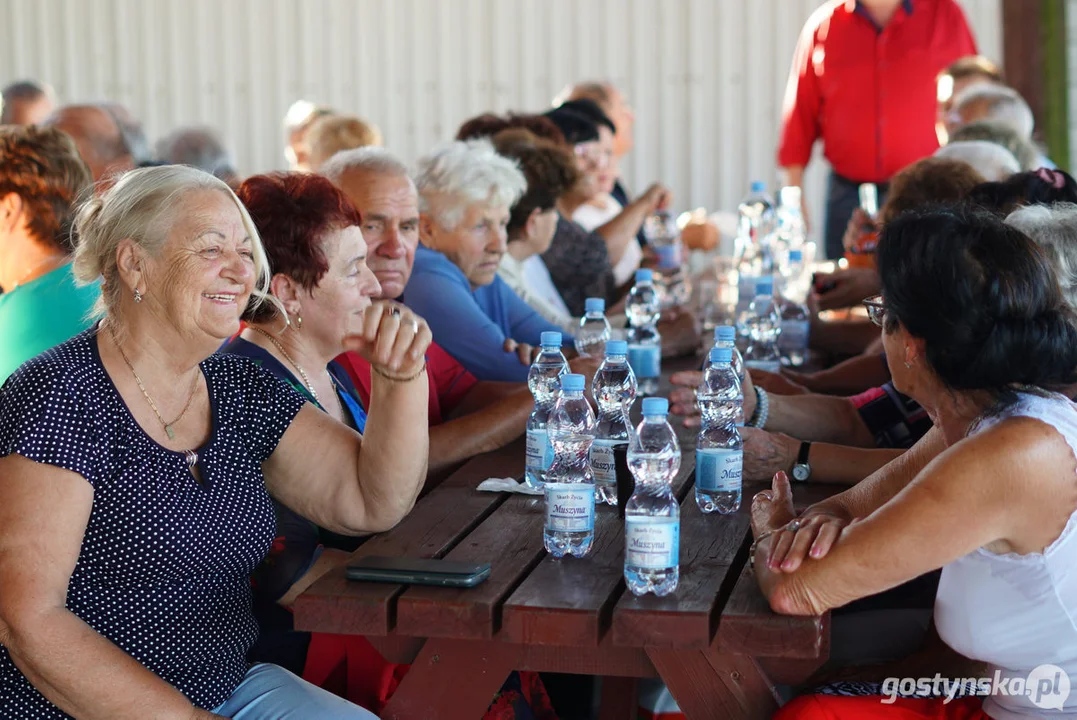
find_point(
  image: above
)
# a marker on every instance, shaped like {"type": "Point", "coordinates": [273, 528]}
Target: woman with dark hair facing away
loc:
{"type": "Point", "coordinates": [977, 330]}
{"type": "Point", "coordinates": [1039, 187]}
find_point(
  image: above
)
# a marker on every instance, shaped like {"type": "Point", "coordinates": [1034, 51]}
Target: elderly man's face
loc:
{"type": "Point", "coordinates": [475, 245]}
{"type": "Point", "coordinates": [31, 112]}
{"type": "Point", "coordinates": [204, 274]}
{"type": "Point", "coordinates": [390, 210]}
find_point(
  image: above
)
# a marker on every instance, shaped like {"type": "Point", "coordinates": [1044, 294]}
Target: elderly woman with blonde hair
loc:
{"type": "Point", "coordinates": [138, 469]}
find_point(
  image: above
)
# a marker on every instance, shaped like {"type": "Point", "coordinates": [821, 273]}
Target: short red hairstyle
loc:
{"type": "Point", "coordinates": [293, 212]}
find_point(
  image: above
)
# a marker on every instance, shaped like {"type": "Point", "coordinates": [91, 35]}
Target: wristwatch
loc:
{"type": "Point", "coordinates": [801, 468]}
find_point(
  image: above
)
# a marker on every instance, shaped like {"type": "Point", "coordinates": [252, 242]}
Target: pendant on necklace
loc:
{"type": "Point", "coordinates": [171, 432]}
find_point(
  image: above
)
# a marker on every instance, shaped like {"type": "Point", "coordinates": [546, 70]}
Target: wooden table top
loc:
{"type": "Point", "coordinates": [533, 599]}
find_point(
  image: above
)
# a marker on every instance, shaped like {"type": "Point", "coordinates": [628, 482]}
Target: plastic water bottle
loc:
{"type": "Point", "coordinates": [543, 380]}
{"type": "Point", "coordinates": [796, 320]}
{"type": "Point", "coordinates": [756, 222]}
{"type": "Point", "coordinates": [570, 484]}
{"type": "Point", "coordinates": [652, 514]}
{"type": "Point", "coordinates": [594, 330]}
{"type": "Point", "coordinates": [719, 450]}
{"type": "Point", "coordinates": [614, 391]}
{"type": "Point", "coordinates": [792, 231]}
{"type": "Point", "coordinates": [664, 237]}
{"type": "Point", "coordinates": [725, 336]}
{"type": "Point", "coordinates": [764, 325]}
{"type": "Point", "coordinates": [644, 341]}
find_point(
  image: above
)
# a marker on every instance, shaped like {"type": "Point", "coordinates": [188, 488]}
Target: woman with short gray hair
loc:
{"type": "Point", "coordinates": [137, 468]}
{"type": "Point", "coordinates": [466, 191]}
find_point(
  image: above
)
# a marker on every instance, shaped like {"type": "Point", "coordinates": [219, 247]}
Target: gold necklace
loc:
{"type": "Point", "coordinates": [302, 372]}
{"type": "Point", "coordinates": [192, 456]}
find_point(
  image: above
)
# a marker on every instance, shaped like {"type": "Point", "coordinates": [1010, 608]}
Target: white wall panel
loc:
{"type": "Point", "coordinates": [706, 77]}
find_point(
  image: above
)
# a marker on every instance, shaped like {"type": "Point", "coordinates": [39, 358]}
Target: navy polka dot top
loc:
{"type": "Point", "coordinates": [164, 567]}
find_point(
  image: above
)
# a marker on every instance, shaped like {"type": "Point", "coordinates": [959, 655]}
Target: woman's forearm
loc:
{"type": "Point", "coordinates": [395, 450]}
{"type": "Point", "coordinates": [848, 377]}
{"type": "Point", "coordinates": [484, 430]}
{"type": "Point", "coordinates": [85, 675]}
{"type": "Point", "coordinates": [850, 337]}
{"type": "Point", "coordinates": [844, 465]}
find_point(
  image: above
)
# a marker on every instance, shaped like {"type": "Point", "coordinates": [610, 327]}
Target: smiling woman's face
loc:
{"type": "Point", "coordinates": [204, 274]}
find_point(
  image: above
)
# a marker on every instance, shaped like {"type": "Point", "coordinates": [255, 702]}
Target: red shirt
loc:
{"type": "Point", "coordinates": [448, 379]}
{"type": "Point", "coordinates": [869, 93]}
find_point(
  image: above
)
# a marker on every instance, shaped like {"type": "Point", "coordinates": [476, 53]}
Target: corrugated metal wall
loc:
{"type": "Point", "coordinates": [706, 77]}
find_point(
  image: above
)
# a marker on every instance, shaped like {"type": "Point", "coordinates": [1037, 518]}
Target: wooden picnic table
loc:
{"type": "Point", "coordinates": [714, 641]}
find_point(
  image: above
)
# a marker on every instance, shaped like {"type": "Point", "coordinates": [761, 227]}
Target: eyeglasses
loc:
{"type": "Point", "coordinates": [876, 309]}
{"type": "Point", "coordinates": [593, 151]}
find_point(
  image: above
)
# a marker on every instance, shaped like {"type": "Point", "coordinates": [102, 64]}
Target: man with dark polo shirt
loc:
{"type": "Point", "coordinates": [864, 81]}
{"type": "Point", "coordinates": [467, 417]}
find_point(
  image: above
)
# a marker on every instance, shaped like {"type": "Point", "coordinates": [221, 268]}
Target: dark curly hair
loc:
{"type": "Point", "coordinates": [489, 124]}
{"type": "Point", "coordinates": [983, 297]}
{"type": "Point", "coordinates": [1039, 187]}
{"type": "Point", "coordinates": [292, 213]}
{"type": "Point", "coordinates": [43, 167]}
{"type": "Point", "coordinates": [549, 168]}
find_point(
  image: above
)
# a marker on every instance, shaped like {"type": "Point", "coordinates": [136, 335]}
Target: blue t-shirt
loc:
{"type": "Point", "coordinates": [472, 324]}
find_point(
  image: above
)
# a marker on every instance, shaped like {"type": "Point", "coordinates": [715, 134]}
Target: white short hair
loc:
{"type": "Point", "coordinates": [993, 161]}
{"type": "Point", "coordinates": [464, 173]}
{"type": "Point", "coordinates": [1054, 228]}
{"type": "Point", "coordinates": [1004, 105]}
{"type": "Point", "coordinates": [370, 159]}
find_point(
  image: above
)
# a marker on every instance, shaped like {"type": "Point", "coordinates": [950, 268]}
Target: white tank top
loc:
{"type": "Point", "coordinates": [1018, 612]}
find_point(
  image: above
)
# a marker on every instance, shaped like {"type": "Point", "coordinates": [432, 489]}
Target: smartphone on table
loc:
{"type": "Point", "coordinates": [417, 571]}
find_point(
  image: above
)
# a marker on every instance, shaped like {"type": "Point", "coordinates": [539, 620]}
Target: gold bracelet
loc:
{"type": "Point", "coordinates": [394, 378]}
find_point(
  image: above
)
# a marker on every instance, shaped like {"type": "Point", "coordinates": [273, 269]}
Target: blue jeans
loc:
{"type": "Point", "coordinates": [269, 692]}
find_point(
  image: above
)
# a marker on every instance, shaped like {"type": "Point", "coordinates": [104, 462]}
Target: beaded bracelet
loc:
{"type": "Point", "coordinates": [394, 378]}
{"type": "Point", "coordinates": [762, 409]}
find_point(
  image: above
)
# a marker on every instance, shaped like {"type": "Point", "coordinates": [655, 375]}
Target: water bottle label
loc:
{"type": "Point", "coordinates": [767, 365]}
{"type": "Point", "coordinates": [653, 543]}
{"type": "Point", "coordinates": [539, 450]}
{"type": "Point", "coordinates": [669, 256]}
{"type": "Point", "coordinates": [570, 509]}
{"type": "Point", "coordinates": [794, 334]}
{"type": "Point", "coordinates": [602, 462]}
{"type": "Point", "coordinates": [645, 360]}
{"type": "Point", "coordinates": [719, 470]}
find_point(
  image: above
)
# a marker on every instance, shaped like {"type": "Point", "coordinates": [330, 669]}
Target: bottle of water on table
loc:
{"type": "Point", "coordinates": [594, 330]}
{"type": "Point", "coordinates": [725, 336]}
{"type": "Point", "coordinates": [570, 484]}
{"type": "Point", "coordinates": [544, 381]}
{"type": "Point", "coordinates": [796, 320]}
{"type": "Point", "coordinates": [754, 255]}
{"type": "Point", "coordinates": [614, 391]}
{"type": "Point", "coordinates": [644, 341]}
{"type": "Point", "coordinates": [719, 450]}
{"type": "Point", "coordinates": [664, 237]}
{"type": "Point", "coordinates": [763, 322]}
{"type": "Point", "coordinates": [652, 514]}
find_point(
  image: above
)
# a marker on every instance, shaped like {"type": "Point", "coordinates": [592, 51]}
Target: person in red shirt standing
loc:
{"type": "Point", "coordinates": [863, 79]}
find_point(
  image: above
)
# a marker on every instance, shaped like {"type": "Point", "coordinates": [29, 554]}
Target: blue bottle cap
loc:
{"type": "Point", "coordinates": [550, 339]}
{"type": "Point", "coordinates": [796, 255]}
{"type": "Point", "coordinates": [644, 275]}
{"type": "Point", "coordinates": [573, 382]}
{"type": "Point", "coordinates": [721, 355]}
{"type": "Point", "coordinates": [616, 347]}
{"type": "Point", "coordinates": [655, 406]}
{"type": "Point", "coordinates": [725, 333]}
{"type": "Point", "coordinates": [594, 305]}
{"type": "Point", "coordinates": [764, 286]}
{"type": "Point", "coordinates": [758, 186]}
